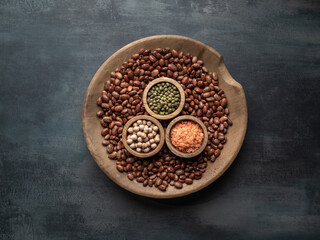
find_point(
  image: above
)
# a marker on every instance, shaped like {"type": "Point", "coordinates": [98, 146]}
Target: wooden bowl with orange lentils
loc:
{"type": "Point", "coordinates": [186, 136]}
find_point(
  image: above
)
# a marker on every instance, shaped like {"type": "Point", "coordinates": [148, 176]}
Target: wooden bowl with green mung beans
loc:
{"type": "Point", "coordinates": [172, 93]}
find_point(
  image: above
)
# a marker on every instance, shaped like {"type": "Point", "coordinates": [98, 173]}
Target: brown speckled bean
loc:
{"type": "Point", "coordinates": [121, 100]}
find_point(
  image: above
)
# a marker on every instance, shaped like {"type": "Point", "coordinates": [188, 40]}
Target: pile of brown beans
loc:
{"type": "Point", "coordinates": [122, 99]}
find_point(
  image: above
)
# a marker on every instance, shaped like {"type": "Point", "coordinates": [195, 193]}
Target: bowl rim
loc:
{"type": "Point", "coordinates": [161, 133]}
{"type": "Point", "coordinates": [204, 141]}
{"type": "Point", "coordinates": [91, 144]}
{"type": "Point", "coordinates": [153, 83]}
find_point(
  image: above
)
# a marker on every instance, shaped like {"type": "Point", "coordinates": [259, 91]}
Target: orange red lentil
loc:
{"type": "Point", "coordinates": [186, 136]}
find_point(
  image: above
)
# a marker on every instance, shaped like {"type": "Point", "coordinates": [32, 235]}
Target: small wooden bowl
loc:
{"type": "Point", "coordinates": [125, 130]}
{"type": "Point", "coordinates": [183, 154]}
{"type": "Point", "coordinates": [156, 81]}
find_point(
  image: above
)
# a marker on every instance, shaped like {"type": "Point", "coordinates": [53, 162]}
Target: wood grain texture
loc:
{"type": "Point", "coordinates": [50, 188]}
{"type": "Point", "coordinates": [213, 61]}
{"type": "Point", "coordinates": [183, 154]}
{"type": "Point", "coordinates": [182, 98]}
{"type": "Point", "coordinates": [161, 133]}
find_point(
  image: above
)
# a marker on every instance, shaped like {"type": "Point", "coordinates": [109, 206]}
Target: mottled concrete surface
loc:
{"type": "Point", "coordinates": [50, 188]}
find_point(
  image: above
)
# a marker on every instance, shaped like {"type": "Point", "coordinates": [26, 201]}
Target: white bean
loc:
{"type": "Point", "coordinates": [130, 130]}
{"type": "Point", "coordinates": [133, 145]}
{"type": "Point", "coordinates": [153, 146]}
{"type": "Point", "coordinates": [134, 137]}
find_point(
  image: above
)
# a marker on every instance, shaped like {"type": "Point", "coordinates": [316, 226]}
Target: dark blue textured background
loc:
{"type": "Point", "coordinates": [50, 188]}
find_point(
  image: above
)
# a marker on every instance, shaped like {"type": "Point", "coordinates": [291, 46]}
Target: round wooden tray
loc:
{"type": "Point", "coordinates": [182, 154]}
{"type": "Point", "coordinates": [135, 153]}
{"type": "Point", "coordinates": [213, 62]}
{"type": "Point", "coordinates": [159, 80]}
